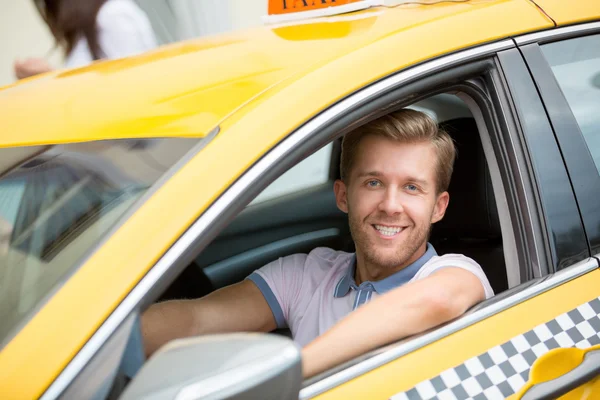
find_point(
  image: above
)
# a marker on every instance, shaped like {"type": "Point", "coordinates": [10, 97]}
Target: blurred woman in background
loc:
{"type": "Point", "coordinates": [89, 30]}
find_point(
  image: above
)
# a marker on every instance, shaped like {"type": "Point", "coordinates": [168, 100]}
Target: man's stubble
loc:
{"type": "Point", "coordinates": [404, 251]}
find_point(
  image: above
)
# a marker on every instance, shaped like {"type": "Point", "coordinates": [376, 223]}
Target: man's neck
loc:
{"type": "Point", "coordinates": [368, 271]}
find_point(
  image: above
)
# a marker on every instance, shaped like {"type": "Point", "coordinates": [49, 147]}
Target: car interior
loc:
{"type": "Point", "coordinates": [298, 221]}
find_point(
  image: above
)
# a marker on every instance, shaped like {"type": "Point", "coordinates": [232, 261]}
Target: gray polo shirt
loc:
{"type": "Point", "coordinates": [308, 293]}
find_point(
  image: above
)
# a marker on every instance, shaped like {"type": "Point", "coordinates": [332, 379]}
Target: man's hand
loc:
{"type": "Point", "coordinates": [404, 311]}
{"type": "Point", "coordinates": [31, 67]}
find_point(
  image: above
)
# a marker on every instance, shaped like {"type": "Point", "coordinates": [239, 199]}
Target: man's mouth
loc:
{"type": "Point", "coordinates": [388, 231]}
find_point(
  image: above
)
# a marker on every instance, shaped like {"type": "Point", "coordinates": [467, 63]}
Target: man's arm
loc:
{"type": "Point", "coordinates": [402, 312]}
{"type": "Point", "coordinates": [236, 308]}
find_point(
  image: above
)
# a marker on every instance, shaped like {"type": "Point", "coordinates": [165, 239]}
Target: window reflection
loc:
{"type": "Point", "coordinates": [576, 65]}
{"type": "Point", "coordinates": [58, 205]}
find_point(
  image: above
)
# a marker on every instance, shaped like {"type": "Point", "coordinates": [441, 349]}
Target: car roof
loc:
{"type": "Point", "coordinates": [188, 88]}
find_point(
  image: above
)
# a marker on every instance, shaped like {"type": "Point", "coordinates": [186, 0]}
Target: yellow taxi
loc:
{"type": "Point", "coordinates": [180, 171]}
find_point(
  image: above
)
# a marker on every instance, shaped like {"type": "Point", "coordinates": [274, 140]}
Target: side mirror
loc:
{"type": "Point", "coordinates": [229, 366]}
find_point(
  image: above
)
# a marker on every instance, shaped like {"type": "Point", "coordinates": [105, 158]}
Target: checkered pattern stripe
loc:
{"type": "Point", "coordinates": [503, 370]}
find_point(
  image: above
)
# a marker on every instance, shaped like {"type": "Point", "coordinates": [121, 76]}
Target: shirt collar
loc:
{"type": "Point", "coordinates": [398, 279]}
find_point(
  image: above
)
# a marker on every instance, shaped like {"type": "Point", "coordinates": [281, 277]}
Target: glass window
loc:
{"type": "Point", "coordinates": [308, 173]}
{"type": "Point", "coordinates": [58, 205]}
{"type": "Point", "coordinates": [576, 65]}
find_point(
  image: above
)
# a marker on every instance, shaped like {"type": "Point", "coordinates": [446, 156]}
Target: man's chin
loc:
{"type": "Point", "coordinates": [386, 260]}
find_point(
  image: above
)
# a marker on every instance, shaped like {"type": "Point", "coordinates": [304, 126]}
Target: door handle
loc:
{"type": "Point", "coordinates": [583, 373]}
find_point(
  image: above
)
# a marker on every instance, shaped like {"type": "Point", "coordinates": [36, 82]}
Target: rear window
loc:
{"type": "Point", "coordinates": [57, 205]}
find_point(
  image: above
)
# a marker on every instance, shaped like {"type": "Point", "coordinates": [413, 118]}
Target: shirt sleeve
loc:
{"type": "Point", "coordinates": [280, 283]}
{"type": "Point", "coordinates": [124, 29]}
{"type": "Point", "coordinates": [456, 261]}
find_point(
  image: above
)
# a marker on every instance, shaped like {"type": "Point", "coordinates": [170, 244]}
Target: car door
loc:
{"type": "Point", "coordinates": [509, 348]}
{"type": "Point", "coordinates": [566, 68]}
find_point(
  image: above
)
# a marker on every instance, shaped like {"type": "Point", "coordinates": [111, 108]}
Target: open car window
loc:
{"type": "Point", "coordinates": [57, 206]}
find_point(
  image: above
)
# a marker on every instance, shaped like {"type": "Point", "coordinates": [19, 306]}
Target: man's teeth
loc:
{"type": "Point", "coordinates": [388, 231]}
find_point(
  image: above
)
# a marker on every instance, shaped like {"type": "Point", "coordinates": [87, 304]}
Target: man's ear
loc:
{"type": "Point", "coordinates": [341, 195]}
{"type": "Point", "coordinates": [440, 207]}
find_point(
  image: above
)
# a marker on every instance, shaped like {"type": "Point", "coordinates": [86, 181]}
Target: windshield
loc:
{"type": "Point", "coordinates": [58, 205]}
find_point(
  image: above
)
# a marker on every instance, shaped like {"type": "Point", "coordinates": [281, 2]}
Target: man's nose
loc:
{"type": "Point", "coordinates": [392, 202]}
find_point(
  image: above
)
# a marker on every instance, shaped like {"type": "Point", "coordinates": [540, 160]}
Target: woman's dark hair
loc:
{"type": "Point", "coordinates": [70, 20]}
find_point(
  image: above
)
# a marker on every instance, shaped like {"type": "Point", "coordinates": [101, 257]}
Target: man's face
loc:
{"type": "Point", "coordinates": [391, 200]}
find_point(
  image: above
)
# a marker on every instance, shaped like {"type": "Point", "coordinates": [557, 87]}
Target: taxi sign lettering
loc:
{"type": "Point", "coordinates": [292, 6]}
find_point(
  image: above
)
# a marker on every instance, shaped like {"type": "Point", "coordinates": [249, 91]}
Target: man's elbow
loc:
{"type": "Point", "coordinates": [454, 292]}
{"type": "Point", "coordinates": [442, 307]}
{"type": "Point", "coordinates": [445, 305]}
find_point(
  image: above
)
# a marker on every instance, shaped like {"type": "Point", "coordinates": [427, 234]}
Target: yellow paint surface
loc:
{"type": "Point", "coordinates": [571, 12]}
{"type": "Point", "coordinates": [558, 362]}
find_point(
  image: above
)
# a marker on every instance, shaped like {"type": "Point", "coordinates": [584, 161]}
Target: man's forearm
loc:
{"type": "Point", "coordinates": [167, 321]}
{"type": "Point", "coordinates": [371, 326]}
{"type": "Point", "coordinates": [236, 308]}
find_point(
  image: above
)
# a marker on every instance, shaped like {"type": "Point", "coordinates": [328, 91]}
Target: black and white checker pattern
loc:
{"type": "Point", "coordinates": [503, 370]}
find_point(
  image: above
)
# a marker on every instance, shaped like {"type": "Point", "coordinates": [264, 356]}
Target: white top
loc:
{"type": "Point", "coordinates": [309, 293]}
{"type": "Point", "coordinates": [123, 30]}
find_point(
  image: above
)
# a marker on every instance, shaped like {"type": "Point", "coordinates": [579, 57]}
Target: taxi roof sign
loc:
{"type": "Point", "coordinates": [289, 6]}
{"type": "Point", "coordinates": [288, 10]}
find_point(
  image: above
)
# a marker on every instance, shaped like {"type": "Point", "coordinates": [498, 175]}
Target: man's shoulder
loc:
{"type": "Point", "coordinates": [457, 261]}
{"type": "Point", "coordinates": [321, 265]}
{"type": "Point", "coordinates": [329, 258]}
{"type": "Point", "coordinates": [452, 258]}
{"type": "Point", "coordinates": [449, 260]}
{"type": "Point", "coordinates": [320, 258]}
{"type": "Point", "coordinates": [324, 267]}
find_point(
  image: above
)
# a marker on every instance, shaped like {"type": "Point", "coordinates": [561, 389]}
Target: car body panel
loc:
{"type": "Point", "coordinates": [558, 362]}
{"type": "Point", "coordinates": [285, 68]}
{"type": "Point", "coordinates": [404, 373]}
{"type": "Point", "coordinates": [570, 12]}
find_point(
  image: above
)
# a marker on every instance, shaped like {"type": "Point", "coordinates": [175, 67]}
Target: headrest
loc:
{"type": "Point", "coordinates": [472, 211]}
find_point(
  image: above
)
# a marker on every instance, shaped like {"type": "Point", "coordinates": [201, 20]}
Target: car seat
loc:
{"type": "Point", "coordinates": [471, 225]}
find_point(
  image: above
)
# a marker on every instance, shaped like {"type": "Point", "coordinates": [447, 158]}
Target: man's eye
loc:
{"type": "Point", "coordinates": [412, 188]}
{"type": "Point", "coordinates": [373, 183]}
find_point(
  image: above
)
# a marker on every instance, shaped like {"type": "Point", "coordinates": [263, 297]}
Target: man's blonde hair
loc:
{"type": "Point", "coordinates": [405, 126]}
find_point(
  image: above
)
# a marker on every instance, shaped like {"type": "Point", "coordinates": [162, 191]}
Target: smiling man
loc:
{"type": "Point", "coordinates": [395, 172]}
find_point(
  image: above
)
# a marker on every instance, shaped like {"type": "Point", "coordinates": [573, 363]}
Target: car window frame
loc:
{"type": "Point", "coordinates": [557, 206]}
{"type": "Point", "coordinates": [532, 248]}
{"type": "Point", "coordinates": [581, 168]}
{"type": "Point", "coordinates": [317, 132]}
